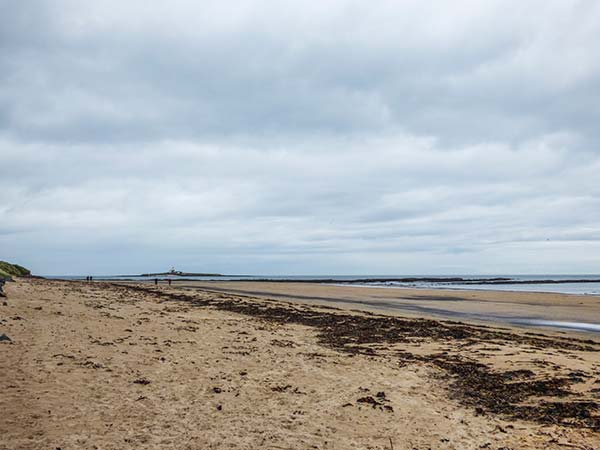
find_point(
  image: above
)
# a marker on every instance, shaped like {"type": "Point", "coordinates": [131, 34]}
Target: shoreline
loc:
{"type": "Point", "coordinates": [444, 283]}
{"type": "Point", "coordinates": [526, 310]}
{"type": "Point", "coordinates": [455, 288]}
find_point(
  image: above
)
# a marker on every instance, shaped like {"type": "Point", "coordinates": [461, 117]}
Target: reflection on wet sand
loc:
{"type": "Point", "coordinates": [560, 311]}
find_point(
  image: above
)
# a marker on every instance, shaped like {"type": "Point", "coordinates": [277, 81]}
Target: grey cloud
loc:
{"type": "Point", "coordinates": [273, 138]}
{"type": "Point", "coordinates": [492, 77]}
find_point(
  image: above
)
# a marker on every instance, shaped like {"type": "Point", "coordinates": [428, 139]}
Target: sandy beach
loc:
{"type": "Point", "coordinates": [113, 366]}
{"type": "Point", "coordinates": [504, 308]}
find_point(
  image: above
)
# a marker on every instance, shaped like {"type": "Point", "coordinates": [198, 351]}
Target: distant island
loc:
{"type": "Point", "coordinates": [179, 273]}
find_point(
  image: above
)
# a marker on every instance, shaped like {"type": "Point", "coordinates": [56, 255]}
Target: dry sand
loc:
{"type": "Point", "coordinates": [96, 365]}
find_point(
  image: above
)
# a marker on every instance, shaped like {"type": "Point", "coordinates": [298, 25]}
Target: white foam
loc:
{"type": "Point", "coordinates": [584, 326]}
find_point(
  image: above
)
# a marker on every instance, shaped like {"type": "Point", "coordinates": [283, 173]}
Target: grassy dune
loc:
{"type": "Point", "coordinates": [8, 270]}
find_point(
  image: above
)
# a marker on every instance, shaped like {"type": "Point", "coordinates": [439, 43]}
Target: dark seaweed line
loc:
{"type": "Point", "coordinates": [472, 383]}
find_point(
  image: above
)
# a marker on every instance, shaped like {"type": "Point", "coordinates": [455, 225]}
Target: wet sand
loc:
{"type": "Point", "coordinates": [99, 365]}
{"type": "Point", "coordinates": [532, 309]}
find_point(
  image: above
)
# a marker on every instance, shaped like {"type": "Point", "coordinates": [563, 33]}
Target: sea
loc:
{"type": "Point", "coordinates": [565, 284]}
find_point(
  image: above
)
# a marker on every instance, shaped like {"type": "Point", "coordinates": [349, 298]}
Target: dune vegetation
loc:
{"type": "Point", "coordinates": [8, 270]}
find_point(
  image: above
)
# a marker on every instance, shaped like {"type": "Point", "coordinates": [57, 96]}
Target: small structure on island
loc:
{"type": "Point", "coordinates": [175, 272]}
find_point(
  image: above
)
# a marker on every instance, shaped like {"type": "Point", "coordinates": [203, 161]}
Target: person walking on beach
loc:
{"type": "Point", "coordinates": [169, 282]}
{"type": "Point", "coordinates": [156, 282]}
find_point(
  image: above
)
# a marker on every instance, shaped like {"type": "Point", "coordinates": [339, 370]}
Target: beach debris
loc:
{"type": "Point", "coordinates": [368, 399]}
{"type": "Point", "coordinates": [281, 388]}
{"type": "Point", "coordinates": [283, 343]}
{"type": "Point", "coordinates": [5, 338]}
{"type": "Point", "coordinates": [286, 388]}
{"type": "Point", "coordinates": [578, 376]}
{"type": "Point", "coordinates": [520, 394]}
{"type": "Point", "coordinates": [102, 343]}
{"type": "Point", "coordinates": [376, 403]}
{"type": "Point", "coordinates": [92, 365]}
{"type": "Point", "coordinates": [217, 390]}
{"type": "Point", "coordinates": [142, 381]}
{"type": "Point", "coordinates": [57, 355]}
{"type": "Point", "coordinates": [190, 328]}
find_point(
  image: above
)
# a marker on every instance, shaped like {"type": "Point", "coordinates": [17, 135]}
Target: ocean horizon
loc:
{"type": "Point", "coordinates": [554, 283]}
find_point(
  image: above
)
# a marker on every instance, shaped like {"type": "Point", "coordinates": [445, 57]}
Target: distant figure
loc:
{"type": "Point", "coordinates": [91, 278]}
{"type": "Point", "coordinates": [169, 282]}
{"type": "Point", "coordinates": [156, 282]}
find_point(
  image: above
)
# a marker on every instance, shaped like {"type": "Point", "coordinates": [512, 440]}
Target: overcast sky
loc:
{"type": "Point", "coordinates": [400, 137]}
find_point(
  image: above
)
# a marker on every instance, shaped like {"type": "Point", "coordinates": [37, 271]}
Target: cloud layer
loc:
{"type": "Point", "coordinates": [276, 138]}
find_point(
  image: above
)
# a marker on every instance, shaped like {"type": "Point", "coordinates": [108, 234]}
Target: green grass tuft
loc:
{"type": "Point", "coordinates": [8, 270]}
